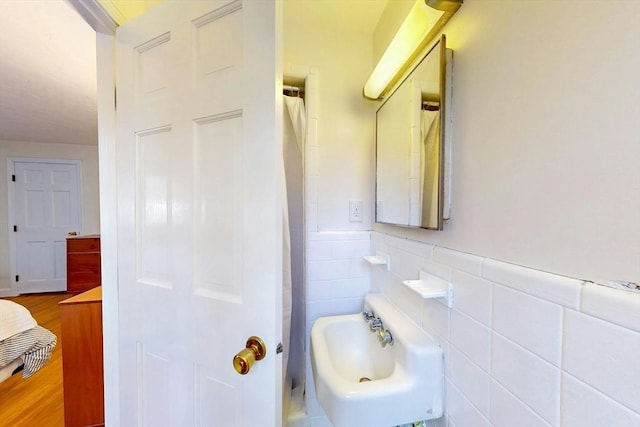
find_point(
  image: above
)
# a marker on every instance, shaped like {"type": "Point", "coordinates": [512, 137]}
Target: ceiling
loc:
{"type": "Point", "coordinates": [47, 73]}
{"type": "Point", "coordinates": [48, 67]}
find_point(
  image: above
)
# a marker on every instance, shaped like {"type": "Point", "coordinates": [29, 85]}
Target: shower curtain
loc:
{"type": "Point", "coordinates": [430, 134]}
{"type": "Point", "coordinates": [294, 132]}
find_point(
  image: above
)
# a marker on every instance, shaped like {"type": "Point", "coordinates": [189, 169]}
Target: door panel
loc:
{"type": "Point", "coordinates": [199, 213]}
{"type": "Point", "coordinates": [47, 206]}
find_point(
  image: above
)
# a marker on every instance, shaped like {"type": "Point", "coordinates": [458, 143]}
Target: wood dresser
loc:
{"type": "Point", "coordinates": [83, 263]}
{"type": "Point", "coordinates": [82, 364]}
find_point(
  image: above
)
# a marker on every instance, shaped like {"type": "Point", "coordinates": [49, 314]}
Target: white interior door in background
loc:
{"type": "Point", "coordinates": [46, 207]}
{"type": "Point", "coordinates": [199, 164]}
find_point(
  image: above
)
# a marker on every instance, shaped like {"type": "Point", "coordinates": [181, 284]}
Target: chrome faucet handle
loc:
{"type": "Point", "coordinates": [385, 337]}
{"type": "Point", "coordinates": [368, 315]}
{"type": "Point", "coordinates": [376, 324]}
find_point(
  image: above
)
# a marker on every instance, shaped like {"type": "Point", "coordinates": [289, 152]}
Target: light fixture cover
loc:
{"type": "Point", "coordinates": [423, 22]}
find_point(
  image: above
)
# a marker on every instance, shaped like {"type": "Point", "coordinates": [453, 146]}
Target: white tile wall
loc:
{"type": "Point", "coordinates": [472, 338]}
{"type": "Point", "coordinates": [506, 410]}
{"type": "Point", "coordinates": [561, 290]}
{"type": "Point", "coordinates": [471, 378]}
{"type": "Point", "coordinates": [603, 355]}
{"type": "Point", "coordinates": [582, 406]}
{"type": "Point", "coordinates": [529, 321]}
{"type": "Point", "coordinates": [461, 410]}
{"type": "Point", "coordinates": [613, 305]}
{"type": "Point", "coordinates": [473, 296]}
{"type": "Point", "coordinates": [337, 279]}
{"type": "Point", "coordinates": [522, 347]}
{"type": "Point", "coordinates": [531, 379]}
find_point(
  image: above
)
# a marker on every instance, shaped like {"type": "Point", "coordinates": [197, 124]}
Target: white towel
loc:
{"type": "Point", "coordinates": [14, 319]}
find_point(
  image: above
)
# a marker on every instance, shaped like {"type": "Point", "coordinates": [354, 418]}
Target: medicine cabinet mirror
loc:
{"type": "Point", "coordinates": [411, 154]}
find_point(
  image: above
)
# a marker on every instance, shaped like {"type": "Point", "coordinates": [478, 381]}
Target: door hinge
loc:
{"type": "Point", "coordinates": [115, 98]}
{"type": "Point", "coordinates": [13, 178]}
{"type": "Point", "coordinates": [15, 228]}
{"type": "Point", "coordinates": [17, 278]}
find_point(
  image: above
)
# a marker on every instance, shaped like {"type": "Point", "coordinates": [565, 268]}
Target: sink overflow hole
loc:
{"type": "Point", "coordinates": [364, 380]}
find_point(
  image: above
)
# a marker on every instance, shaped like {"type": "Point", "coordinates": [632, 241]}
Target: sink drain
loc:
{"type": "Point", "coordinates": [364, 380]}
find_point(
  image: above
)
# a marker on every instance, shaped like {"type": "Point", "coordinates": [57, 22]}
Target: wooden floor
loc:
{"type": "Point", "coordinates": [37, 401]}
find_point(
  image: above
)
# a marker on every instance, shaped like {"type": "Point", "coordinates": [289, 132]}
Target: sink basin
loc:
{"type": "Point", "coordinates": [359, 382]}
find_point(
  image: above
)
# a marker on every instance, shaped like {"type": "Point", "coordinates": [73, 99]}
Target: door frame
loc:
{"type": "Point", "coordinates": [11, 162]}
{"type": "Point", "coordinates": [105, 27]}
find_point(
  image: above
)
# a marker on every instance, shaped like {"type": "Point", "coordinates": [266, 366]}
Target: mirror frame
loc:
{"type": "Point", "coordinates": [444, 148]}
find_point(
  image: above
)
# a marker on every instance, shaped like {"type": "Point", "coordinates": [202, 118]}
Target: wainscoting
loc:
{"type": "Point", "coordinates": [522, 346]}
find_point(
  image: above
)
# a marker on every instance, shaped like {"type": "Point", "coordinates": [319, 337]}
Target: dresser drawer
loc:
{"type": "Point", "coordinates": [83, 263]}
{"type": "Point", "coordinates": [83, 244]}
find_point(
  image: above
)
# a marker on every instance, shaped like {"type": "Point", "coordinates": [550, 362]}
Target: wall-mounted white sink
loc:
{"type": "Point", "coordinates": [359, 382]}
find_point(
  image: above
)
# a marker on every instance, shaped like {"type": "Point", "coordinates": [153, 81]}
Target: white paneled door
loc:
{"type": "Point", "coordinates": [199, 213]}
{"type": "Point", "coordinates": [46, 207]}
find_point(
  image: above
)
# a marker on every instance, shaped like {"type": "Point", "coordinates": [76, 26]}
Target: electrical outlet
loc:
{"type": "Point", "coordinates": [355, 210]}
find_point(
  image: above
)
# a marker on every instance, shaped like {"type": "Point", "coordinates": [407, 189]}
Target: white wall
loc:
{"type": "Point", "coordinates": [87, 154]}
{"type": "Point", "coordinates": [546, 136]}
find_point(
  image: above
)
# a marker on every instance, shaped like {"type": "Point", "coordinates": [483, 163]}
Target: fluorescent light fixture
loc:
{"type": "Point", "coordinates": [425, 19]}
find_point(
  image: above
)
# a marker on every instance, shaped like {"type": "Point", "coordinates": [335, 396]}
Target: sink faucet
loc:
{"type": "Point", "coordinates": [376, 324]}
{"type": "Point", "coordinates": [384, 336]}
{"type": "Point", "coordinates": [368, 315]}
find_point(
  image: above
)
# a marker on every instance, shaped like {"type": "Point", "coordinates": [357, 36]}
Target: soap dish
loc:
{"type": "Point", "coordinates": [430, 286]}
{"type": "Point", "coordinates": [379, 259]}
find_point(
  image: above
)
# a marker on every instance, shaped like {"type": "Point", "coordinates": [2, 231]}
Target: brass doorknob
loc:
{"type": "Point", "coordinates": [255, 350]}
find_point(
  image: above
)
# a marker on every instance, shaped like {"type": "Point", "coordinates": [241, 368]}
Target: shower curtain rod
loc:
{"type": "Point", "coordinates": [293, 88]}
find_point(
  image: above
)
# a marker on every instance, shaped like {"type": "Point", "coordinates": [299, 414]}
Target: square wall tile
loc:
{"type": "Point", "coordinates": [603, 355]}
{"type": "Point", "coordinates": [328, 270]}
{"type": "Point", "coordinates": [435, 318]}
{"type": "Point", "coordinates": [472, 296]}
{"type": "Point", "coordinates": [332, 307]}
{"type": "Point", "coordinates": [471, 338]}
{"type": "Point", "coordinates": [470, 380]}
{"type": "Point", "coordinates": [359, 268]}
{"type": "Point", "coordinates": [332, 289]}
{"type": "Point", "coordinates": [506, 409]}
{"type": "Point", "coordinates": [533, 323]}
{"type": "Point", "coordinates": [406, 300]}
{"type": "Point", "coordinates": [461, 411]}
{"type": "Point", "coordinates": [345, 249]}
{"type": "Point", "coordinates": [552, 287]}
{"type": "Point", "coordinates": [440, 270]}
{"type": "Point", "coordinates": [378, 284]}
{"type": "Point", "coordinates": [319, 250]}
{"type": "Point", "coordinates": [423, 250]}
{"type": "Point", "coordinates": [583, 406]}
{"type": "Point", "coordinates": [458, 260]}
{"type": "Point", "coordinates": [528, 377]}
{"type": "Point", "coordinates": [406, 265]}
{"type": "Point", "coordinates": [613, 305]}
